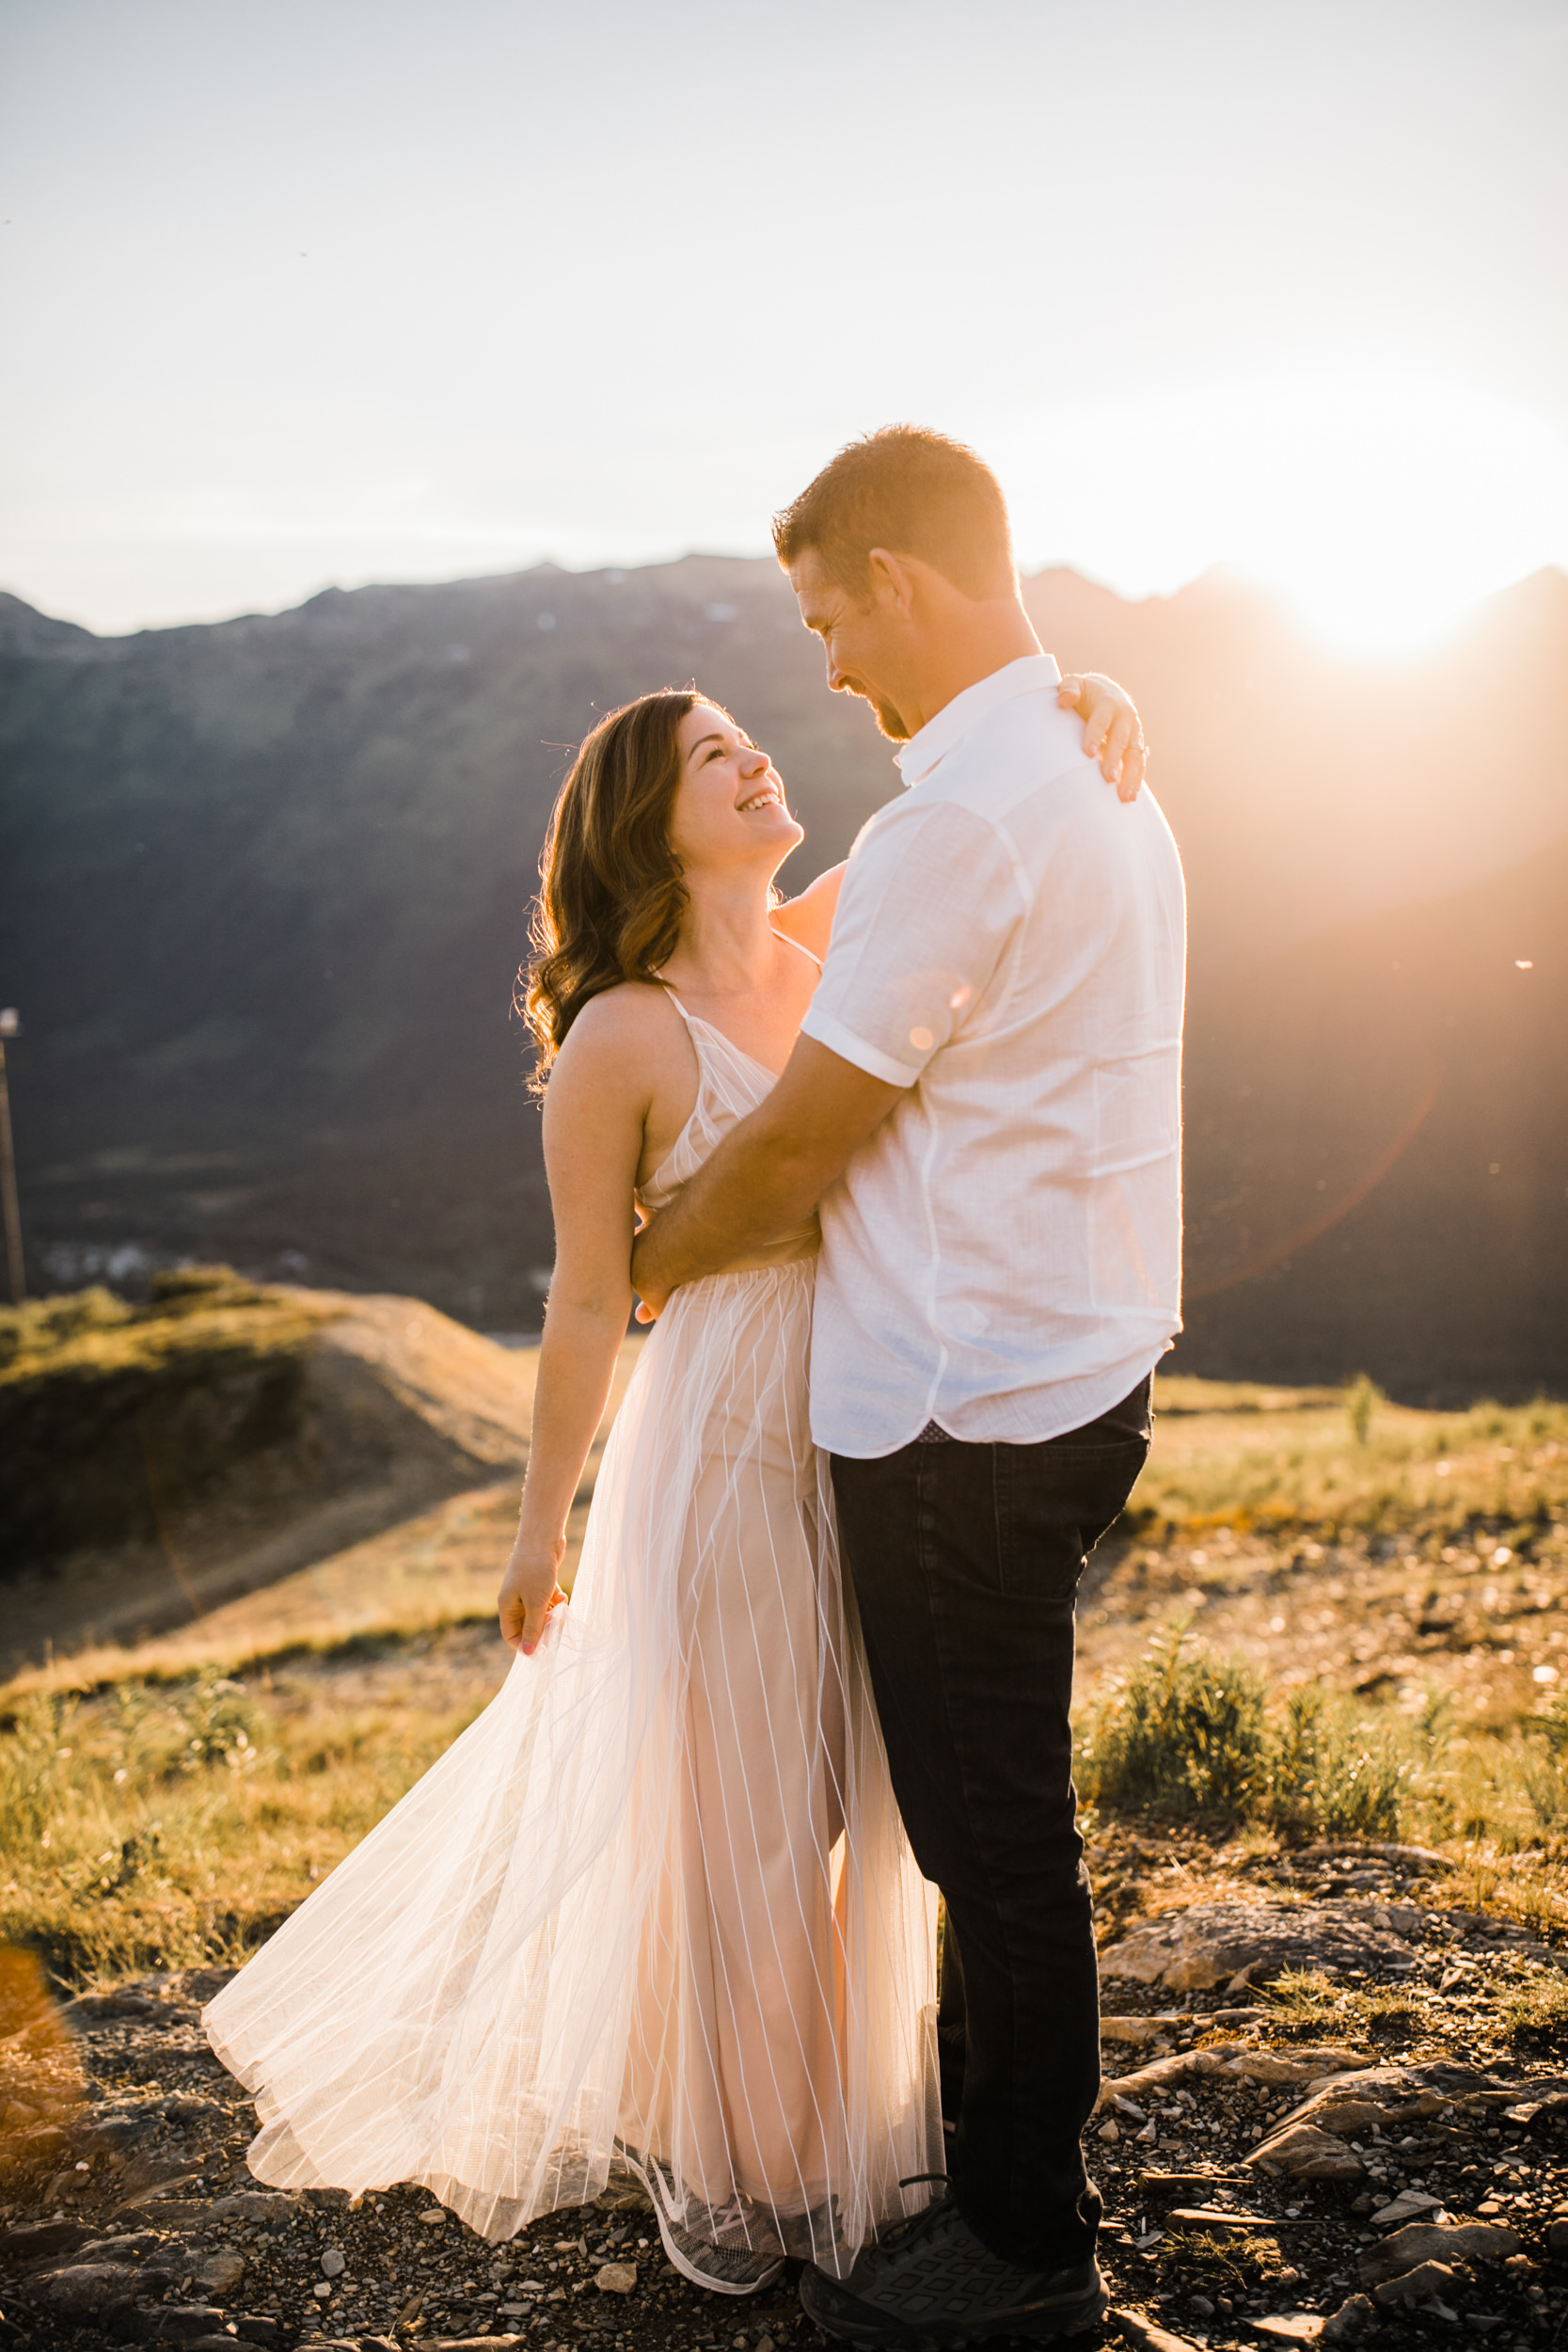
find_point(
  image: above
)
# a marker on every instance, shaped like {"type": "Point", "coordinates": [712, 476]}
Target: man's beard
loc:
{"type": "Point", "coordinates": [887, 717]}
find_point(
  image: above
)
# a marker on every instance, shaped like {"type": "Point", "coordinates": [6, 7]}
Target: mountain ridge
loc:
{"type": "Point", "coordinates": [264, 886]}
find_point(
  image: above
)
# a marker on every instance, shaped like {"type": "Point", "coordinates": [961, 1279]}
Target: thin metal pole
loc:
{"type": "Point", "coordinates": [8, 1191]}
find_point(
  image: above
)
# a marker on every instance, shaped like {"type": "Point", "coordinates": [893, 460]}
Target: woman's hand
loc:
{"type": "Point", "coordinates": [1113, 733]}
{"type": "Point", "coordinates": [530, 1590]}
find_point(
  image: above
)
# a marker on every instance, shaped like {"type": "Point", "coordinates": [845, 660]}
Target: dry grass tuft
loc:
{"type": "Point", "coordinates": [1535, 2017]}
{"type": "Point", "coordinates": [1200, 2261]}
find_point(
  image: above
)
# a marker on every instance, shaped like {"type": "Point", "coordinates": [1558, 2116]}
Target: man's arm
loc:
{"type": "Point", "coordinates": [769, 1172]}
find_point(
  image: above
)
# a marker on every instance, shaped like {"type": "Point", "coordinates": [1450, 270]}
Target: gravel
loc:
{"type": "Point", "coordinates": [130, 2217]}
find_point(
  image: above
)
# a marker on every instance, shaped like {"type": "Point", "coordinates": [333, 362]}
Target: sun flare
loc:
{"type": "Point", "coordinates": [1380, 505]}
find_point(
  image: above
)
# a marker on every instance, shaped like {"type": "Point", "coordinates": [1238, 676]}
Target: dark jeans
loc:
{"type": "Point", "coordinates": [965, 1561]}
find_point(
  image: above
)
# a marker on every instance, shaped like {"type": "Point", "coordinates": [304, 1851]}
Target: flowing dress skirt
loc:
{"type": "Point", "coordinates": [658, 1898]}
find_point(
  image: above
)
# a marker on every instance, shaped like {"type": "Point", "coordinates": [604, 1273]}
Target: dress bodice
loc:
{"type": "Point", "coordinates": [730, 1083]}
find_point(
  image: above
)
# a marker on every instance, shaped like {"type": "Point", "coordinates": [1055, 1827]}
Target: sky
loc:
{"type": "Point", "coordinates": [335, 290]}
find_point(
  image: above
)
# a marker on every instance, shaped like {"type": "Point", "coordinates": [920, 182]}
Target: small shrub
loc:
{"type": "Point", "coordinates": [1185, 1737]}
{"type": "Point", "coordinates": [1328, 1776]}
{"type": "Point", "coordinates": [1535, 2015]}
{"type": "Point", "coordinates": [1190, 1734]}
{"type": "Point", "coordinates": [1362, 1399]}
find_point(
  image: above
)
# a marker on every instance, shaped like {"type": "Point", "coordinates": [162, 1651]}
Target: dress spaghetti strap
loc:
{"type": "Point", "coordinates": [795, 943]}
{"type": "Point", "coordinates": [664, 984]}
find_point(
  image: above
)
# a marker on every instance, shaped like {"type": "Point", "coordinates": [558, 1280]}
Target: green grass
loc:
{"type": "Point", "coordinates": [172, 1808]}
{"type": "Point", "coordinates": [173, 1823]}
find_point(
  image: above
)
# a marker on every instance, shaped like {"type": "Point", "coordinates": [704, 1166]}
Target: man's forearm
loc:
{"type": "Point", "coordinates": [751, 1190]}
{"type": "Point", "coordinates": [770, 1171]}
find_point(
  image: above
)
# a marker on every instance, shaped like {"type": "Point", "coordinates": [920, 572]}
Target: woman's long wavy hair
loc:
{"type": "Point", "coordinates": [611, 897]}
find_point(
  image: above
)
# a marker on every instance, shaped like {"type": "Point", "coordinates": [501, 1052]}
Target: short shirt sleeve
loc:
{"type": "Point", "coordinates": [930, 899]}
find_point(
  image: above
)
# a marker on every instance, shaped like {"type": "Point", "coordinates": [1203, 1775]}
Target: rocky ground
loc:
{"type": "Point", "coordinates": [1331, 2113]}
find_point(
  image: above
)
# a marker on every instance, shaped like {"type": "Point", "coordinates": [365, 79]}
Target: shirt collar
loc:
{"type": "Point", "coordinates": [1032, 674]}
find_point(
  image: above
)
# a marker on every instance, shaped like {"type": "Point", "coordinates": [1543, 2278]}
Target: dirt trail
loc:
{"type": "Point", "coordinates": [387, 1513]}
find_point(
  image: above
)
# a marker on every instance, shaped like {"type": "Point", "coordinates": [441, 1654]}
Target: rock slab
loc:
{"type": "Point", "coordinates": [1208, 1944]}
{"type": "Point", "coordinates": [1351, 2321]}
{"type": "Point", "coordinates": [1435, 2241]}
{"type": "Point", "coordinates": [1144, 2336]}
{"type": "Point", "coordinates": [1428, 2283]}
{"type": "Point", "coordinates": [89, 2290]}
{"type": "Point", "coordinates": [1308, 2155]}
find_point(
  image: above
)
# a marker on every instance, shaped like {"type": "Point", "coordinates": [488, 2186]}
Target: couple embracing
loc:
{"type": "Point", "coordinates": [906, 1154]}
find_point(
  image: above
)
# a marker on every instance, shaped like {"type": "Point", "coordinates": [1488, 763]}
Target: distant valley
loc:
{"type": "Point", "coordinates": [263, 889]}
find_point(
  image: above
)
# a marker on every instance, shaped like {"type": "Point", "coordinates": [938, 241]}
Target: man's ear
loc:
{"type": "Point", "coordinates": [893, 581]}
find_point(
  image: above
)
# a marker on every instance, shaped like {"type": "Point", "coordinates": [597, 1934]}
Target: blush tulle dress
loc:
{"type": "Point", "coordinates": [657, 1901]}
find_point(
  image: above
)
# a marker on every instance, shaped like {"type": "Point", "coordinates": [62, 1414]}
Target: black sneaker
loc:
{"type": "Point", "coordinates": [932, 2282]}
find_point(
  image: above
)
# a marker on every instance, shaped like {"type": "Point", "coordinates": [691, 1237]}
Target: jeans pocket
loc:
{"type": "Point", "coordinates": [1060, 1505]}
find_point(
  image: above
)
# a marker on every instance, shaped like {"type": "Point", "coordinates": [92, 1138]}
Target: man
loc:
{"type": "Point", "coordinates": [985, 1101]}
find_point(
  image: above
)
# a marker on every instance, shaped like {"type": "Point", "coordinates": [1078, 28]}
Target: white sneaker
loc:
{"type": "Point", "coordinates": [722, 2269]}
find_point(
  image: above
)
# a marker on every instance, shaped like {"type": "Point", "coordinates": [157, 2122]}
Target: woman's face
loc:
{"type": "Point", "coordinates": [729, 808]}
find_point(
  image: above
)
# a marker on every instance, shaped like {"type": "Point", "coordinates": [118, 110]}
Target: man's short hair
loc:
{"type": "Point", "coordinates": [913, 492]}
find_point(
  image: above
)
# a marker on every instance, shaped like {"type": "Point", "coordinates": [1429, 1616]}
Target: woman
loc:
{"type": "Point", "coordinates": [655, 1904]}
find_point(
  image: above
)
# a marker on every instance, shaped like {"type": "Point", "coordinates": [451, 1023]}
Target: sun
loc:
{"type": "Point", "coordinates": [1381, 502]}
{"type": "Point", "coordinates": [1386, 506]}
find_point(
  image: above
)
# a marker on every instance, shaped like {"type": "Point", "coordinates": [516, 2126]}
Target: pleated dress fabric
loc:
{"type": "Point", "coordinates": [658, 1899]}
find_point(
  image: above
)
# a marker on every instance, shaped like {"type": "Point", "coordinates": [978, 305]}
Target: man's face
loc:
{"type": "Point", "coordinates": [863, 642]}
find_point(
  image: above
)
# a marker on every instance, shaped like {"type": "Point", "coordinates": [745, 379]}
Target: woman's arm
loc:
{"type": "Point", "coordinates": [809, 919]}
{"type": "Point", "coordinates": [595, 1113]}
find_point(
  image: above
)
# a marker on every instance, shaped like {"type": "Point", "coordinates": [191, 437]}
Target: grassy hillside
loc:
{"type": "Point", "coordinates": [114, 1417]}
{"type": "Point", "coordinates": [1324, 1616]}
{"type": "Point", "coordinates": [164, 1459]}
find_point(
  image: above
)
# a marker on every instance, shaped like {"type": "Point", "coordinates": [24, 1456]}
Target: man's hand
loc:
{"type": "Point", "coordinates": [1113, 733]}
{"type": "Point", "coordinates": [529, 1591]}
{"type": "Point", "coordinates": [769, 1173]}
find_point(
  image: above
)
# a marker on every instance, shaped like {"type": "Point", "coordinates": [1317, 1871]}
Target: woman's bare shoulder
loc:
{"type": "Point", "coordinates": [809, 919]}
{"type": "Point", "coordinates": [627, 1015]}
{"type": "Point", "coordinates": [624, 1030]}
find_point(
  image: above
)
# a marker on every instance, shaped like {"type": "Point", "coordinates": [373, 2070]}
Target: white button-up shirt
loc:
{"type": "Point", "coordinates": [1003, 1255]}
